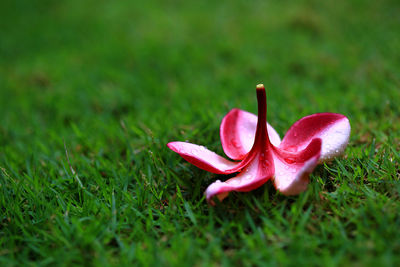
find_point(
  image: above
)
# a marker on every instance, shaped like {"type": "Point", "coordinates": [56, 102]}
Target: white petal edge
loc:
{"type": "Point", "coordinates": [334, 140]}
{"type": "Point", "coordinates": [293, 180]}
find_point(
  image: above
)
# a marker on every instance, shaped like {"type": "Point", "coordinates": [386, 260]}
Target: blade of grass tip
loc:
{"type": "Point", "coordinates": [60, 200]}
{"type": "Point", "coordinates": [342, 168]}
{"type": "Point", "coordinates": [259, 206]}
{"type": "Point", "coordinates": [190, 213]}
{"type": "Point", "coordinates": [113, 210]}
{"type": "Point", "coordinates": [372, 150]}
{"type": "Point", "coordinates": [180, 198]}
{"type": "Point", "coordinates": [5, 173]}
{"type": "Point", "coordinates": [330, 169]}
{"type": "Point", "coordinates": [396, 153]}
{"type": "Point", "coordinates": [200, 202]}
{"type": "Point", "coordinates": [250, 221]}
{"type": "Point", "coordinates": [138, 213]}
{"type": "Point", "coordinates": [70, 167]}
{"type": "Point", "coordinates": [303, 220]}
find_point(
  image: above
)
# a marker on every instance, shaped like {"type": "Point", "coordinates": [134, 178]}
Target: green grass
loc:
{"type": "Point", "coordinates": [116, 80]}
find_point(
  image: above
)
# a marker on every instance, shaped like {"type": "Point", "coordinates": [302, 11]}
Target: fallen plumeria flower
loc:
{"type": "Point", "coordinates": [311, 140]}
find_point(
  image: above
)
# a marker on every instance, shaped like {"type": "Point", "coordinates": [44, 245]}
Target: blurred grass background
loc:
{"type": "Point", "coordinates": [117, 80]}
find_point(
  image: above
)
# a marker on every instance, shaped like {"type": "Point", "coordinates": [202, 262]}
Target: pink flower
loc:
{"type": "Point", "coordinates": [261, 155]}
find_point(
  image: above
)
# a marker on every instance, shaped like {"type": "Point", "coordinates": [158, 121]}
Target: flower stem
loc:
{"type": "Point", "coordinates": [261, 139]}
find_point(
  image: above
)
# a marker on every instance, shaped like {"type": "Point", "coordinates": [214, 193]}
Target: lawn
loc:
{"type": "Point", "coordinates": [92, 91]}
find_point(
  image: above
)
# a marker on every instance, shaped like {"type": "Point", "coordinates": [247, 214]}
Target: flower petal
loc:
{"type": "Point", "coordinates": [203, 158]}
{"type": "Point", "coordinates": [251, 177]}
{"type": "Point", "coordinates": [292, 170]}
{"type": "Point", "coordinates": [237, 132]}
{"type": "Point", "coordinates": [332, 128]}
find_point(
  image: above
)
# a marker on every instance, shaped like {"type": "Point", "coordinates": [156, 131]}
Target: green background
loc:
{"type": "Point", "coordinates": [116, 80]}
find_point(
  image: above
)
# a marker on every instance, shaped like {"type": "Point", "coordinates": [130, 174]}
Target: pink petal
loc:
{"type": "Point", "coordinates": [332, 128]}
{"type": "Point", "coordinates": [292, 170]}
{"type": "Point", "coordinates": [204, 158]}
{"type": "Point", "coordinates": [237, 132]}
{"type": "Point", "coordinates": [255, 174]}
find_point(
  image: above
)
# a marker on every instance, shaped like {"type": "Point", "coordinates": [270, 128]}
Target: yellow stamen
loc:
{"type": "Point", "coordinates": [260, 86]}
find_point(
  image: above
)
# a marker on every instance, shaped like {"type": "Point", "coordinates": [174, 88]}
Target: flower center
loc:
{"type": "Point", "coordinates": [261, 145]}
